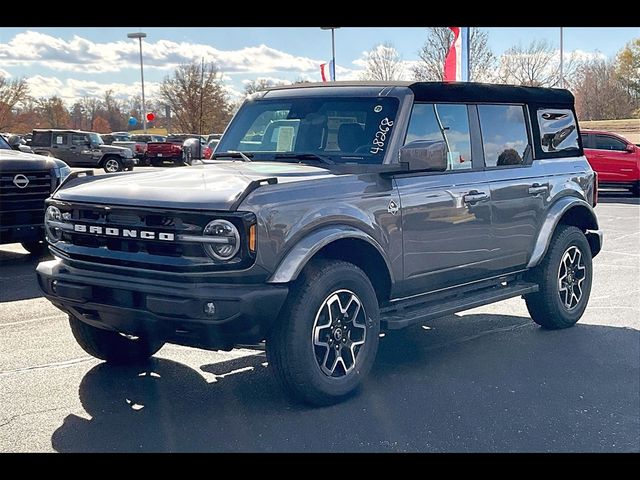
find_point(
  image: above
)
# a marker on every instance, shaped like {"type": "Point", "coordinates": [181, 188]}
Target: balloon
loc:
{"type": "Point", "coordinates": [132, 121]}
{"type": "Point", "coordinates": [151, 116]}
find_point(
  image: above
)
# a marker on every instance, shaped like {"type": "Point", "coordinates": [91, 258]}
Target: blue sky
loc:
{"type": "Point", "coordinates": [73, 61]}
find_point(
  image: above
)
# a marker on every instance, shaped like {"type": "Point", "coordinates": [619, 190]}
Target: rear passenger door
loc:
{"type": "Point", "coordinates": [519, 188]}
{"type": "Point", "coordinates": [60, 147]}
{"type": "Point", "coordinates": [446, 216]}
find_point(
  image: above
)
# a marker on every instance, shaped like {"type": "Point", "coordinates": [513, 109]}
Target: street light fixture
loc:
{"type": "Point", "coordinates": [140, 36]}
{"type": "Point", "coordinates": [333, 48]}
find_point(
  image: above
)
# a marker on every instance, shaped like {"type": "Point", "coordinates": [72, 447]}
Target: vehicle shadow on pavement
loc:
{"type": "Point", "coordinates": [18, 279]}
{"type": "Point", "coordinates": [478, 383]}
{"type": "Point", "coordinates": [618, 197]}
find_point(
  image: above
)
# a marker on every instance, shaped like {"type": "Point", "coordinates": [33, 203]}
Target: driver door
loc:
{"type": "Point", "coordinates": [81, 150]}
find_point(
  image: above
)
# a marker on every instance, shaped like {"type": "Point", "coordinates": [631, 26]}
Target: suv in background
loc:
{"type": "Point", "coordinates": [81, 149]}
{"type": "Point", "coordinates": [330, 212]}
{"type": "Point", "coordinates": [615, 159]}
{"type": "Point", "coordinates": [26, 180]}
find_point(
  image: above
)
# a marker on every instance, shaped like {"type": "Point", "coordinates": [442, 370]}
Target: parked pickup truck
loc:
{"type": "Point", "coordinates": [160, 152]}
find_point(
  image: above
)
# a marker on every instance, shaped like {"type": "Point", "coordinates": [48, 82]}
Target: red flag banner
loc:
{"type": "Point", "coordinates": [453, 60]}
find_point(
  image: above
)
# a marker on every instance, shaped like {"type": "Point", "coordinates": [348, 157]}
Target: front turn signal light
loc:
{"type": "Point", "coordinates": [252, 238]}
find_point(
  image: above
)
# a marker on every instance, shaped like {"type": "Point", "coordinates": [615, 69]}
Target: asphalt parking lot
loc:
{"type": "Point", "coordinates": [486, 380]}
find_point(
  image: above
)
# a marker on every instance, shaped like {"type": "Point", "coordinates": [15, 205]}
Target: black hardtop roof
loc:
{"type": "Point", "coordinates": [455, 91]}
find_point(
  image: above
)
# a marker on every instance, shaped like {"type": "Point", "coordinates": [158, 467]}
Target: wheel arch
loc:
{"type": "Point", "coordinates": [339, 242]}
{"type": "Point", "coordinates": [567, 211]}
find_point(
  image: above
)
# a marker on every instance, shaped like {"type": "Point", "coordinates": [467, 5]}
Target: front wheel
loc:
{"type": "Point", "coordinates": [564, 279]}
{"type": "Point", "coordinates": [112, 165]}
{"type": "Point", "coordinates": [326, 338]}
{"type": "Point", "coordinates": [111, 346]}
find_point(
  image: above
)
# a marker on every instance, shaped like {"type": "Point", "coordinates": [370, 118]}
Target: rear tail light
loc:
{"type": "Point", "coordinates": [595, 188]}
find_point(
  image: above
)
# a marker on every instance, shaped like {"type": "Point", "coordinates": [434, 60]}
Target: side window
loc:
{"type": "Point", "coordinates": [585, 140]}
{"type": "Point", "coordinates": [60, 138]}
{"type": "Point", "coordinates": [448, 123]}
{"type": "Point", "coordinates": [605, 142]}
{"type": "Point", "coordinates": [504, 135]}
{"type": "Point", "coordinates": [557, 129]}
{"type": "Point", "coordinates": [77, 139]}
{"type": "Point", "coordinates": [41, 139]}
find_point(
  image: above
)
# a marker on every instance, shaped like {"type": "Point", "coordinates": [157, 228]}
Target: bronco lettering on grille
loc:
{"type": "Point", "coordinates": [124, 232]}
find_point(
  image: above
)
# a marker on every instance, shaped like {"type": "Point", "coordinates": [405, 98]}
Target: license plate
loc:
{"type": "Point", "coordinates": [159, 154]}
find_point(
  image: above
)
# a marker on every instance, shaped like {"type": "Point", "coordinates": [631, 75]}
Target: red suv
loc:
{"type": "Point", "coordinates": [616, 160]}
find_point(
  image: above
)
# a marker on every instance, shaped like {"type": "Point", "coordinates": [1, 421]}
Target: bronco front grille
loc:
{"type": "Point", "coordinates": [24, 206]}
{"type": "Point", "coordinates": [148, 253]}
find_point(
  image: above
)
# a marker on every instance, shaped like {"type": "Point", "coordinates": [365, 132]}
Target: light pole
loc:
{"type": "Point", "coordinates": [140, 36]}
{"type": "Point", "coordinates": [333, 49]}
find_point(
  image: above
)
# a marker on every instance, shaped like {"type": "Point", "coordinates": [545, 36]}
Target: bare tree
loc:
{"type": "Point", "coordinates": [600, 95]}
{"type": "Point", "coordinates": [196, 98]}
{"type": "Point", "coordinates": [536, 65]}
{"type": "Point", "coordinates": [54, 112]}
{"type": "Point", "coordinates": [260, 84]}
{"type": "Point", "coordinates": [113, 111]}
{"type": "Point", "coordinates": [12, 92]}
{"type": "Point", "coordinates": [383, 63]}
{"type": "Point", "coordinates": [434, 51]}
{"type": "Point", "coordinates": [91, 107]}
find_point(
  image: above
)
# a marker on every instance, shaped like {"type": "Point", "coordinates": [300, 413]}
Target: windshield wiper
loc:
{"type": "Point", "coordinates": [233, 154]}
{"type": "Point", "coordinates": [306, 156]}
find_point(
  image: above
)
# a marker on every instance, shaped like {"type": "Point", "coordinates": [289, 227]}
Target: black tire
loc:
{"type": "Point", "coordinates": [635, 190]}
{"type": "Point", "coordinates": [548, 307]}
{"type": "Point", "coordinates": [292, 353]}
{"type": "Point", "coordinates": [36, 247]}
{"type": "Point", "coordinates": [112, 346]}
{"type": "Point", "coordinates": [112, 165]}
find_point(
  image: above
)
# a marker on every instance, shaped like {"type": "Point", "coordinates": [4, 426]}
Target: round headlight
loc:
{"type": "Point", "coordinates": [52, 214]}
{"type": "Point", "coordinates": [225, 240]}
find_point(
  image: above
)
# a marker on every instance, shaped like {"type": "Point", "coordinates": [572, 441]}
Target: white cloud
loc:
{"type": "Point", "coordinates": [71, 89]}
{"type": "Point", "coordinates": [82, 55]}
{"type": "Point", "coordinates": [4, 73]}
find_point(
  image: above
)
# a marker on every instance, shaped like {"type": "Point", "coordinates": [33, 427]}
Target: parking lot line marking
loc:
{"type": "Point", "coordinates": [65, 363]}
{"type": "Point", "coordinates": [41, 319]}
{"type": "Point", "coordinates": [622, 253]}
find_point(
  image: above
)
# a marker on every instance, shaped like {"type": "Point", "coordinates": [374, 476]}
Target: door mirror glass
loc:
{"type": "Point", "coordinates": [425, 155]}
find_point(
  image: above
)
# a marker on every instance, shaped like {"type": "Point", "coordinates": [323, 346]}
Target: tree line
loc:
{"type": "Point", "coordinates": [193, 99]}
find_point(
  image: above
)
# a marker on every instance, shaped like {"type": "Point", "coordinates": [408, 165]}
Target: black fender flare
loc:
{"type": "Point", "coordinates": [553, 217]}
{"type": "Point", "coordinates": [297, 257]}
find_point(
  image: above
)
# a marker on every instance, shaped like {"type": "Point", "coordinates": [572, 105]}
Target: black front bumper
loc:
{"type": "Point", "coordinates": [21, 233]}
{"type": "Point", "coordinates": [173, 312]}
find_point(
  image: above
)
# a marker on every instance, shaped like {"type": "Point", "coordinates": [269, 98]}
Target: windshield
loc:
{"type": "Point", "coordinates": [95, 138]}
{"type": "Point", "coordinates": [3, 144]}
{"type": "Point", "coordinates": [344, 129]}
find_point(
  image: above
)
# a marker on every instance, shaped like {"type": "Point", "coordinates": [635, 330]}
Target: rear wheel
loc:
{"type": "Point", "coordinates": [111, 346]}
{"type": "Point", "coordinates": [112, 165]}
{"type": "Point", "coordinates": [564, 278]}
{"type": "Point", "coordinates": [326, 338]}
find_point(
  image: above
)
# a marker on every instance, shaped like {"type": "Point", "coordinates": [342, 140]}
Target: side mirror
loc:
{"type": "Point", "coordinates": [423, 155]}
{"type": "Point", "coordinates": [630, 148]}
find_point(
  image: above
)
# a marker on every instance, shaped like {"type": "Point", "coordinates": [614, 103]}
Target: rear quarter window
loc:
{"type": "Point", "coordinates": [558, 130]}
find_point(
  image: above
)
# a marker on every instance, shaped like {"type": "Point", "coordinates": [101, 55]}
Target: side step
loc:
{"type": "Point", "coordinates": [401, 318]}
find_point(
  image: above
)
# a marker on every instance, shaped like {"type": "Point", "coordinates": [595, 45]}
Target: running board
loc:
{"type": "Point", "coordinates": [401, 318]}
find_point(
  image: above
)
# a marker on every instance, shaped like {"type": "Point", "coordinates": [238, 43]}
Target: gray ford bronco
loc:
{"type": "Point", "coordinates": [330, 213]}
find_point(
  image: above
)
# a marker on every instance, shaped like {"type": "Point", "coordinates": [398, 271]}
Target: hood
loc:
{"type": "Point", "coordinates": [216, 186]}
{"type": "Point", "coordinates": [114, 149]}
{"type": "Point", "coordinates": [13, 160]}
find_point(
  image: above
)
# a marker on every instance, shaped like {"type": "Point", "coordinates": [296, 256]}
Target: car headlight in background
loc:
{"type": "Point", "coordinates": [53, 216]}
{"type": "Point", "coordinates": [224, 243]}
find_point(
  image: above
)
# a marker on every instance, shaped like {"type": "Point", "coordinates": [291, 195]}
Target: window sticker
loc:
{"type": "Point", "coordinates": [381, 135]}
{"type": "Point", "coordinates": [285, 139]}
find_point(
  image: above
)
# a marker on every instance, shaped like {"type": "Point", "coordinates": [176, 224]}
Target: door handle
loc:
{"type": "Point", "coordinates": [475, 196]}
{"type": "Point", "coordinates": [537, 189]}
